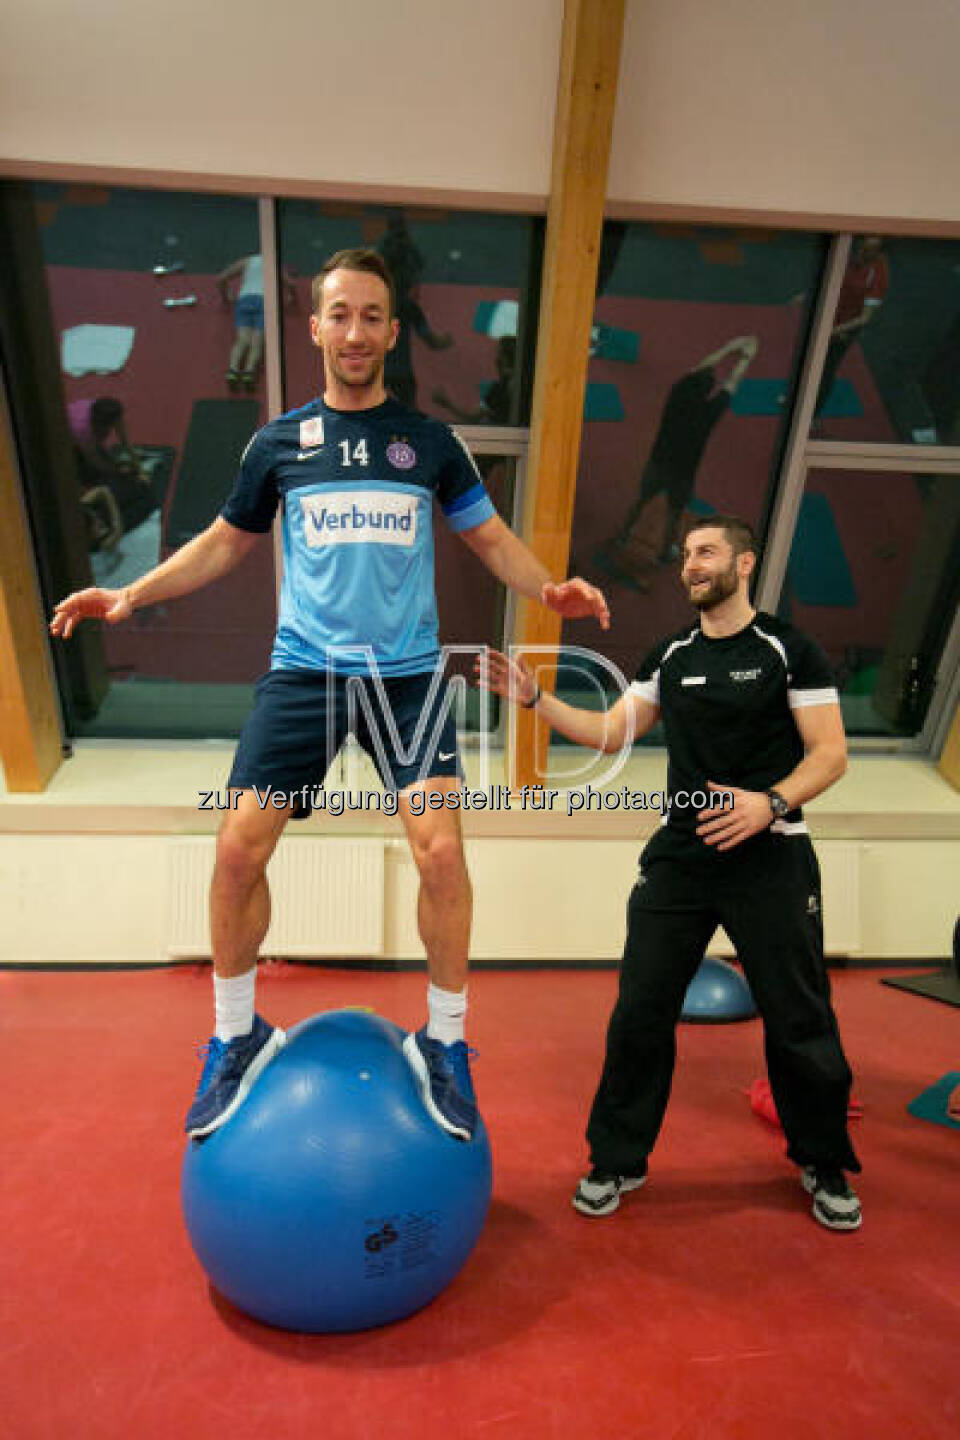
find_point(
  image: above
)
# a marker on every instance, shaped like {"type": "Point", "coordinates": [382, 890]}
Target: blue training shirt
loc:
{"type": "Point", "coordinates": [357, 490]}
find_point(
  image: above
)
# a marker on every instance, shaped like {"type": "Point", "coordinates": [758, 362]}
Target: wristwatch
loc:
{"type": "Point", "coordinates": [778, 805]}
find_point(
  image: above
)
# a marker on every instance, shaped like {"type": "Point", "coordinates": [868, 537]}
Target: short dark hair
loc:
{"type": "Point", "coordinates": [736, 531]}
{"type": "Point", "coordinates": [104, 414]}
{"type": "Point", "coordinates": [370, 262]}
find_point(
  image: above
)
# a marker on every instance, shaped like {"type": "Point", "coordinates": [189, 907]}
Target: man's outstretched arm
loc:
{"type": "Point", "coordinates": [204, 559]}
{"type": "Point", "coordinates": [627, 719]}
{"type": "Point", "coordinates": [506, 556]}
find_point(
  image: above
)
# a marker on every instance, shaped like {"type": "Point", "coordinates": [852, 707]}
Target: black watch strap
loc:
{"type": "Point", "coordinates": [778, 805]}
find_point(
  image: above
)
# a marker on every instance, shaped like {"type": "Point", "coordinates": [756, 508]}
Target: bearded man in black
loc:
{"type": "Point", "coordinates": [751, 716]}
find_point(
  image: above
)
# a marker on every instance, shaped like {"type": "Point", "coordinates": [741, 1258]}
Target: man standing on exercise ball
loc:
{"type": "Point", "coordinates": [355, 474]}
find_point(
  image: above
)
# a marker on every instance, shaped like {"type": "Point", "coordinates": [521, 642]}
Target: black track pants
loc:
{"type": "Point", "coordinates": [768, 901]}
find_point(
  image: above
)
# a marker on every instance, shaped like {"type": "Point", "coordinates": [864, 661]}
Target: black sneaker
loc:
{"type": "Point", "coordinates": [599, 1192]}
{"type": "Point", "coordinates": [834, 1203]}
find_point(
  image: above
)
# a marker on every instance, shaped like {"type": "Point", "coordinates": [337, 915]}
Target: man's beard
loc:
{"type": "Point", "coordinates": [720, 588]}
{"type": "Point", "coordinates": [358, 379]}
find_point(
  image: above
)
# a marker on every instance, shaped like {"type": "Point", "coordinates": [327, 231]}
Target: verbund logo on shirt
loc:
{"type": "Point", "coordinates": [359, 517]}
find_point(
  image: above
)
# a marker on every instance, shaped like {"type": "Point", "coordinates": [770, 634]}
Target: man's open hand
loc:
{"type": "Point", "coordinates": [93, 604]}
{"type": "Point", "coordinates": [574, 599]}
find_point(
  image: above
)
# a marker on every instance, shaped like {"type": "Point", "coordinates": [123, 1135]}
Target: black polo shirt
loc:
{"type": "Point", "coordinates": [728, 708]}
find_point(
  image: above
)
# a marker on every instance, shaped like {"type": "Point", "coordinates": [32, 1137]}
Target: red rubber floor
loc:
{"type": "Point", "coordinates": [710, 1305]}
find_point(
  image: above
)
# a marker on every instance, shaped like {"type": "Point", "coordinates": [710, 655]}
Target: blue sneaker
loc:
{"type": "Point", "coordinates": [229, 1071]}
{"type": "Point", "coordinates": [443, 1074]}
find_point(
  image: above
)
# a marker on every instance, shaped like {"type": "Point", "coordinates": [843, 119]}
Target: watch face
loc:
{"type": "Point", "coordinates": [778, 805]}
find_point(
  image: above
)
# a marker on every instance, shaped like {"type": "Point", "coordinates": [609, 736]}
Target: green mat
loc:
{"type": "Point", "coordinates": [608, 342]}
{"type": "Point", "coordinates": [602, 403]}
{"type": "Point", "coordinates": [217, 436]}
{"type": "Point", "coordinates": [769, 397]}
{"type": "Point", "coordinates": [931, 1104]}
{"type": "Point", "coordinates": [497, 318]}
{"type": "Point", "coordinates": [819, 572]}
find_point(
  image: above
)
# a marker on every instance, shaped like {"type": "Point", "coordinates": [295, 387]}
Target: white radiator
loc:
{"type": "Point", "coordinates": [840, 874]}
{"type": "Point", "coordinates": [327, 898]}
{"type": "Point", "coordinates": [840, 877]}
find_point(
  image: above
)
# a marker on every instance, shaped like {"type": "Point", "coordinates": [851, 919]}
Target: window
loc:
{"type": "Point", "coordinates": [696, 349]}
{"type": "Point", "coordinates": [137, 368]}
{"type": "Point", "coordinates": [464, 300]}
{"type": "Point", "coordinates": [892, 368]}
{"type": "Point", "coordinates": [873, 575]}
{"type": "Point", "coordinates": [138, 328]}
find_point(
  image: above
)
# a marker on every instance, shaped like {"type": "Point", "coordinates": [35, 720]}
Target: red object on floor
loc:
{"type": "Point", "coordinates": [709, 1305]}
{"type": "Point", "coordinates": [761, 1103]}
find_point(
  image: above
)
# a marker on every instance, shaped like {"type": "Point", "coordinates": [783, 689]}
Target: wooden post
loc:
{"type": "Point", "coordinates": [949, 765]}
{"type": "Point", "coordinates": [587, 88]}
{"type": "Point", "coordinates": [44, 447]}
{"type": "Point", "coordinates": [30, 743]}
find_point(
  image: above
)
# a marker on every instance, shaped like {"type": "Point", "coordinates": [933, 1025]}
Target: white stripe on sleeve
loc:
{"type": "Point", "coordinates": [798, 699]}
{"type": "Point", "coordinates": [648, 690]}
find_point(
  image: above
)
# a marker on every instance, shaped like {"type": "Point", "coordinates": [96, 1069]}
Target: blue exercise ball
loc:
{"type": "Point", "coordinates": [718, 992]}
{"type": "Point", "coordinates": [330, 1200]}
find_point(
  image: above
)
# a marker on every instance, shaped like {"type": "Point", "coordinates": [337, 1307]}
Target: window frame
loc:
{"type": "Point", "coordinates": [800, 454]}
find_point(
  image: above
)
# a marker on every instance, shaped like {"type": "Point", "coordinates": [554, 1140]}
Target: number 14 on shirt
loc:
{"type": "Point", "coordinates": [357, 456]}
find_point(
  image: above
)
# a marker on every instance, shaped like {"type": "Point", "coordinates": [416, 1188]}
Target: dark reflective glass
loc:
{"type": "Point", "coordinates": [892, 369]}
{"type": "Point", "coordinates": [465, 300]}
{"type": "Point", "coordinates": [874, 576]}
{"type": "Point", "coordinates": [153, 322]}
{"type": "Point", "coordinates": [696, 346]}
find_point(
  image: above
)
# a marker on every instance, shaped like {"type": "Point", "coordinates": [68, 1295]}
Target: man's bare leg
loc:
{"type": "Point", "coordinates": [444, 913]}
{"type": "Point", "coordinates": [254, 356]}
{"type": "Point", "coordinates": [445, 903]}
{"type": "Point", "coordinates": [239, 361]}
{"type": "Point", "coordinates": [239, 916]}
{"type": "Point", "coordinates": [239, 893]}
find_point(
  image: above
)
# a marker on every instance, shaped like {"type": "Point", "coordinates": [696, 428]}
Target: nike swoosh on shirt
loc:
{"type": "Point", "coordinates": [309, 454]}
{"type": "Point", "coordinates": [442, 755]}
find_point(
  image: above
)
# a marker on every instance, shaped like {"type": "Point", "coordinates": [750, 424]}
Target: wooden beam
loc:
{"type": "Point", "coordinates": [586, 96]}
{"type": "Point", "coordinates": [949, 765]}
{"type": "Point", "coordinates": [30, 342]}
{"type": "Point", "coordinates": [30, 741]}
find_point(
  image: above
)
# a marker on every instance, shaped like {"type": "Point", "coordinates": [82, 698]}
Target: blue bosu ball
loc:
{"type": "Point", "coordinates": [330, 1200]}
{"type": "Point", "coordinates": [718, 992]}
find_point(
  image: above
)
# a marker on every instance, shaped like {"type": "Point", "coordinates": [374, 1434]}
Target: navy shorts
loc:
{"type": "Point", "coordinates": [300, 719]}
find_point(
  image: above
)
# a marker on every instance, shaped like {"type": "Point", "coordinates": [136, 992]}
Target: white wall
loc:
{"type": "Point", "coordinates": [424, 92]}
{"type": "Point", "coordinates": [849, 107]}
{"type": "Point", "coordinates": [823, 108]}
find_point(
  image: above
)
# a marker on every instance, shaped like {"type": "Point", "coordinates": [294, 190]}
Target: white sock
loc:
{"type": "Point", "coordinates": [446, 1009]}
{"type": "Point", "coordinates": [233, 1004]}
